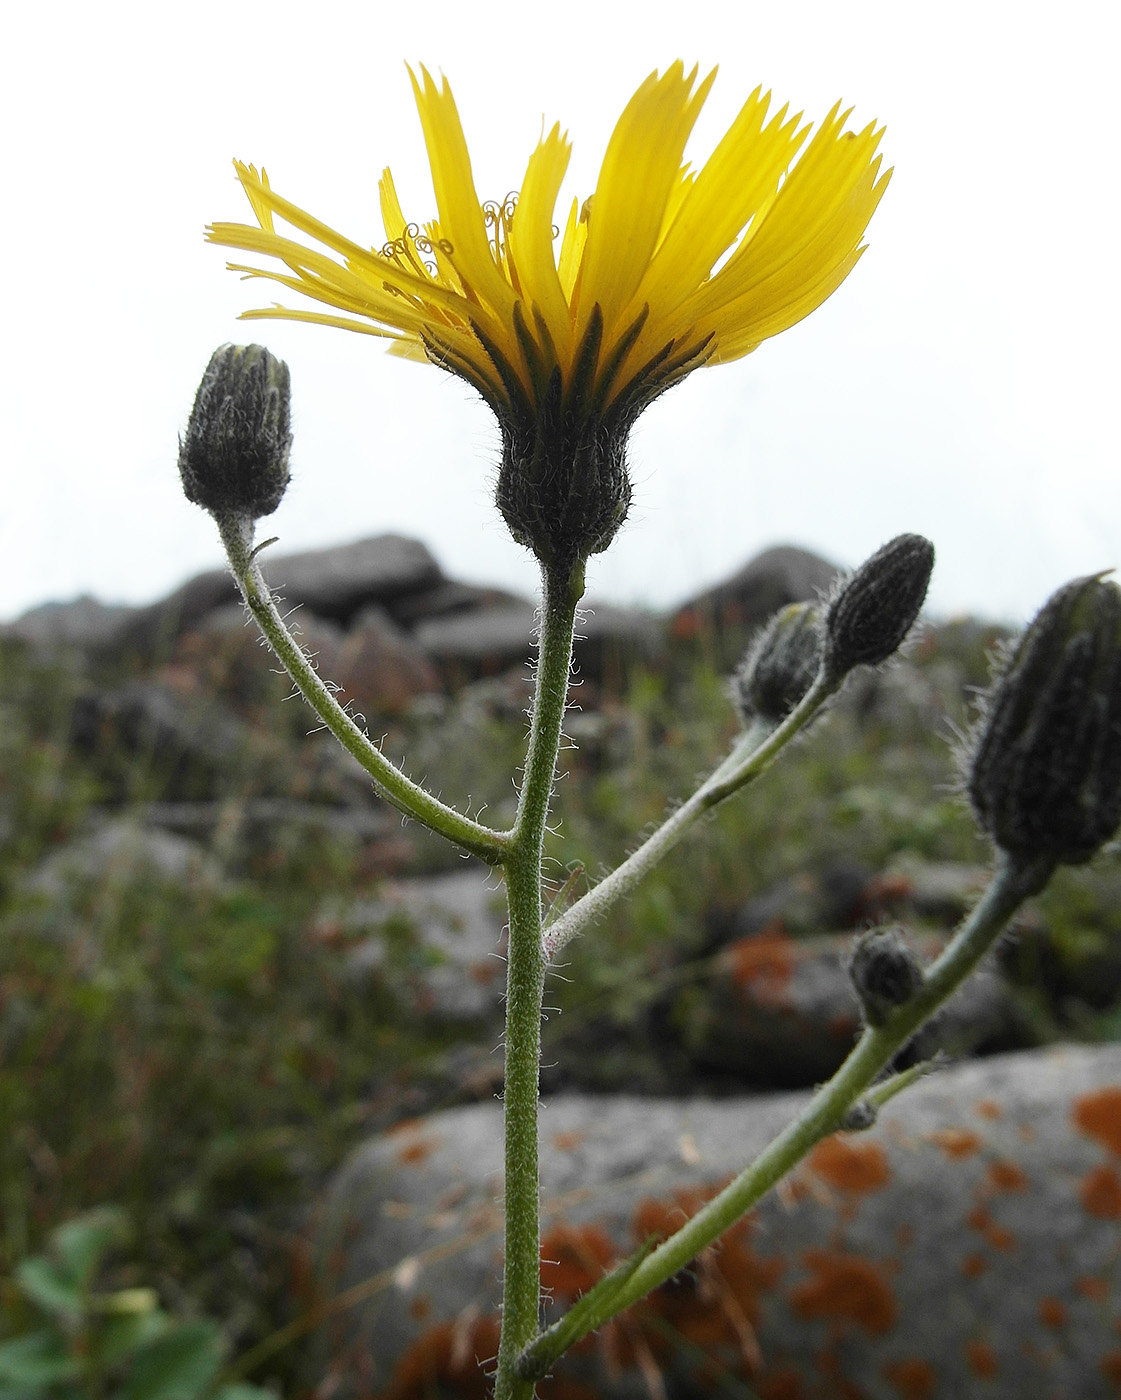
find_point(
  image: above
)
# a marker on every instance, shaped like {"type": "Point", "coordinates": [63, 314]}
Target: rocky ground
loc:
{"type": "Point", "coordinates": [229, 964]}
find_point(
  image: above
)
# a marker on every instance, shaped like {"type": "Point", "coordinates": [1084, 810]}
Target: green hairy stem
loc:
{"type": "Point", "coordinates": [526, 1354]}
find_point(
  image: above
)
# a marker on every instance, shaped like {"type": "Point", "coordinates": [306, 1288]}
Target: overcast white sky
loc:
{"type": "Point", "coordinates": [962, 383]}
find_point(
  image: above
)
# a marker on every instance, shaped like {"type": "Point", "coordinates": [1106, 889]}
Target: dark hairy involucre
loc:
{"type": "Point", "coordinates": [234, 457]}
{"type": "Point", "coordinates": [876, 608]}
{"type": "Point", "coordinates": [781, 664]}
{"type": "Point", "coordinates": [1045, 773]}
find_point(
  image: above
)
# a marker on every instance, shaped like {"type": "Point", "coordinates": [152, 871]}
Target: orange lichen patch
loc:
{"type": "Point", "coordinates": [417, 1151]}
{"type": "Point", "coordinates": [573, 1258]}
{"type": "Point", "coordinates": [1100, 1193]}
{"type": "Point", "coordinates": [448, 1354]}
{"type": "Point", "coordinates": [974, 1265]}
{"type": "Point", "coordinates": [846, 1288]}
{"type": "Point", "coordinates": [1098, 1115]}
{"type": "Point", "coordinates": [715, 1305]}
{"type": "Point", "coordinates": [1006, 1176]}
{"type": "Point", "coordinates": [988, 1108]}
{"type": "Point", "coordinates": [840, 1387]}
{"type": "Point", "coordinates": [406, 1125]}
{"type": "Point", "coordinates": [997, 1236]}
{"type": "Point", "coordinates": [784, 1384]}
{"type": "Point", "coordinates": [855, 1167]}
{"type": "Point", "coordinates": [484, 971]}
{"type": "Point", "coordinates": [1110, 1367]}
{"type": "Point", "coordinates": [1052, 1313]}
{"type": "Point", "coordinates": [1093, 1287]}
{"type": "Point", "coordinates": [568, 1142]}
{"type": "Point", "coordinates": [955, 1142]}
{"type": "Point", "coordinates": [914, 1378]}
{"type": "Point", "coordinates": [661, 1216]}
{"type": "Point", "coordinates": [762, 963]}
{"type": "Point", "coordinates": [420, 1307]}
{"type": "Point", "coordinates": [981, 1360]}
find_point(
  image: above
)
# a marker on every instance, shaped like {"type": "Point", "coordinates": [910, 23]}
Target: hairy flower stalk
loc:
{"type": "Point", "coordinates": [568, 335]}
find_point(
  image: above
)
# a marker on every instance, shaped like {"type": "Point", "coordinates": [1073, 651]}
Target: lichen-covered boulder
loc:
{"type": "Point", "coordinates": [968, 1245]}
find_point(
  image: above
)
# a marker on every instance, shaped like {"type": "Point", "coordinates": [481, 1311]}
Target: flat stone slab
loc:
{"type": "Point", "coordinates": [968, 1245]}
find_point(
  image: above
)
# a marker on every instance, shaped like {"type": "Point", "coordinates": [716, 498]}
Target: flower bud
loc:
{"type": "Point", "coordinates": [234, 458]}
{"type": "Point", "coordinates": [876, 608]}
{"type": "Point", "coordinates": [859, 1117]}
{"type": "Point", "coordinates": [780, 665]}
{"type": "Point", "coordinates": [885, 973]}
{"type": "Point", "coordinates": [1045, 775]}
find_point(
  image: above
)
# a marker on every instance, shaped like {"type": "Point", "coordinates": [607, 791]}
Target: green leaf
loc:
{"type": "Point", "coordinates": [81, 1242]}
{"type": "Point", "coordinates": [180, 1365]}
{"type": "Point", "coordinates": [241, 1392]}
{"type": "Point", "coordinates": [50, 1286]}
{"type": "Point", "coordinates": [37, 1359]}
{"type": "Point", "coordinates": [119, 1337]}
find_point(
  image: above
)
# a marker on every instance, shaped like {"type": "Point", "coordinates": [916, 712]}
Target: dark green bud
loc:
{"type": "Point", "coordinates": [885, 973]}
{"type": "Point", "coordinates": [1045, 774]}
{"type": "Point", "coordinates": [234, 457]}
{"type": "Point", "coordinates": [781, 664]}
{"type": "Point", "coordinates": [877, 606]}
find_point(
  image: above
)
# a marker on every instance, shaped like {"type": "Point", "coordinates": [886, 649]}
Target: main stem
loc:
{"type": "Point", "coordinates": [525, 980]}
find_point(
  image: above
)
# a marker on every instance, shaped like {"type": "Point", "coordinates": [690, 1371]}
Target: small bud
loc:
{"type": "Point", "coordinates": [1045, 775]}
{"type": "Point", "coordinates": [885, 973]}
{"type": "Point", "coordinates": [234, 458]}
{"type": "Point", "coordinates": [780, 665]}
{"type": "Point", "coordinates": [860, 1117]}
{"type": "Point", "coordinates": [876, 608]}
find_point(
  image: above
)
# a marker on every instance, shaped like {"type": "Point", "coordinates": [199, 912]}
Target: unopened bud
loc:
{"type": "Point", "coordinates": [234, 457]}
{"type": "Point", "coordinates": [859, 1117]}
{"type": "Point", "coordinates": [885, 973]}
{"type": "Point", "coordinates": [1045, 776]}
{"type": "Point", "coordinates": [876, 608]}
{"type": "Point", "coordinates": [780, 665]}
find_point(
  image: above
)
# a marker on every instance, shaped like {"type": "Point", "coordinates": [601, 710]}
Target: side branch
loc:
{"type": "Point", "coordinates": [1010, 886]}
{"type": "Point", "coordinates": [408, 797]}
{"type": "Point", "coordinates": [746, 762]}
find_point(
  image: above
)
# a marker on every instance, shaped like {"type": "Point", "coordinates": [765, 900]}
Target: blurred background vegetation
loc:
{"type": "Point", "coordinates": [217, 974]}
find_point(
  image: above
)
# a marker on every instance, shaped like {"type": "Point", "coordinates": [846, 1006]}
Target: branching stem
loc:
{"type": "Point", "coordinates": [1010, 885]}
{"type": "Point", "coordinates": [392, 784]}
{"type": "Point", "coordinates": [750, 757]}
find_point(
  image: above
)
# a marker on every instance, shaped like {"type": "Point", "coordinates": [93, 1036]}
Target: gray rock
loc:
{"type": "Point", "coordinates": [189, 746]}
{"type": "Point", "coordinates": [438, 942]}
{"type": "Point", "coordinates": [83, 624]}
{"type": "Point", "coordinates": [965, 1246]}
{"type": "Point", "coordinates": [732, 610]}
{"type": "Point", "coordinates": [339, 582]}
{"type": "Point", "coordinates": [938, 890]}
{"type": "Point", "coordinates": [335, 583]}
{"type": "Point", "coordinates": [379, 669]}
{"type": "Point", "coordinates": [491, 639]}
{"type": "Point", "coordinates": [121, 851]}
{"type": "Point", "coordinates": [776, 1012]}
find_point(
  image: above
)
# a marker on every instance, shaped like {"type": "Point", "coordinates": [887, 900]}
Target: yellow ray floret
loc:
{"type": "Point", "coordinates": [660, 270]}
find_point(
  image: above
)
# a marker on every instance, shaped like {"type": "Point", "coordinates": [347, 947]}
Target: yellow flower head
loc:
{"type": "Point", "coordinates": [662, 270]}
